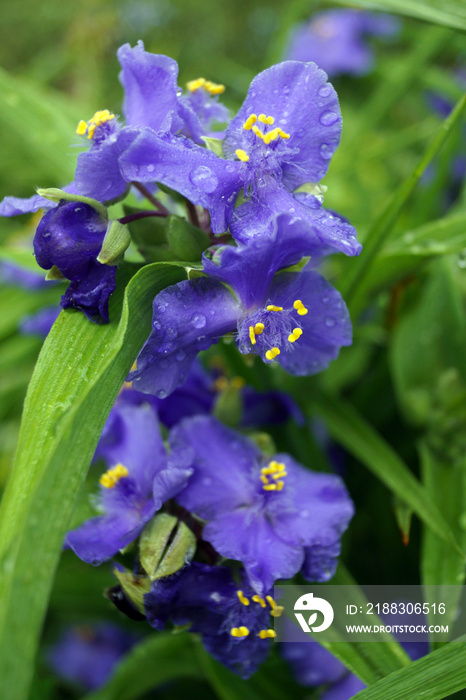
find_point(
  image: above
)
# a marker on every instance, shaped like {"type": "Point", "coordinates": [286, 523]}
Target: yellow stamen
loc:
{"type": "Point", "coordinates": [249, 122]}
{"type": "Point", "coordinates": [278, 471]}
{"type": "Point", "coordinates": [81, 128]}
{"type": "Point", "coordinates": [272, 353]}
{"type": "Point", "coordinates": [91, 130]}
{"type": "Point", "coordinates": [300, 308]}
{"type": "Point", "coordinates": [242, 598]}
{"type": "Point", "coordinates": [264, 479]}
{"type": "Point", "coordinates": [258, 132]}
{"type": "Point", "coordinates": [276, 609]}
{"type": "Point", "coordinates": [112, 476]}
{"type": "Point", "coordinates": [295, 334]}
{"type": "Point", "coordinates": [252, 336]}
{"type": "Point", "coordinates": [242, 155]}
{"type": "Point", "coordinates": [257, 599]}
{"type": "Point", "coordinates": [265, 120]}
{"type": "Point", "coordinates": [239, 632]}
{"type": "Point", "coordinates": [279, 475]}
{"type": "Point", "coordinates": [274, 134]}
{"type": "Point", "coordinates": [272, 307]}
{"type": "Point", "coordinates": [271, 487]}
{"type": "Point", "coordinates": [258, 328]}
{"type": "Point", "coordinates": [194, 85]}
{"type": "Point", "coordinates": [214, 88]}
{"type": "Point", "coordinates": [264, 634]}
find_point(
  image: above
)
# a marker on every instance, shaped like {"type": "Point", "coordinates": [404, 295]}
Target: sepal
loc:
{"type": "Point", "coordinates": [116, 241]}
{"type": "Point", "coordinates": [56, 195]}
{"type": "Point", "coordinates": [134, 587]}
{"type": "Point", "coordinates": [214, 145]}
{"type": "Point", "coordinates": [166, 545]}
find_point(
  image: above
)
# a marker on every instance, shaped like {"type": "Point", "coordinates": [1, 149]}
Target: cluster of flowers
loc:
{"type": "Point", "coordinates": [218, 522]}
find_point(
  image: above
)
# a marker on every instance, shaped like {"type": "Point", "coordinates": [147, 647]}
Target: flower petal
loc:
{"type": "Point", "coordinates": [91, 294]}
{"type": "Point", "coordinates": [326, 327]}
{"type": "Point", "coordinates": [101, 538]}
{"type": "Point", "coordinates": [195, 172]}
{"type": "Point", "coordinates": [188, 317]}
{"type": "Point", "coordinates": [304, 105]}
{"type": "Point", "coordinates": [222, 462]}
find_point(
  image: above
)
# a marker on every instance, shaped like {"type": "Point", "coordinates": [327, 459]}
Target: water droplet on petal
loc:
{"type": "Point", "coordinates": [325, 90]}
{"type": "Point", "coordinates": [161, 394]}
{"type": "Point", "coordinates": [328, 118]}
{"type": "Point", "coordinates": [329, 322]}
{"type": "Point", "coordinates": [204, 178]}
{"type": "Point", "coordinates": [150, 168]}
{"type": "Point", "coordinates": [198, 320]}
{"type": "Point", "coordinates": [326, 151]}
{"type": "Point", "coordinates": [180, 355]}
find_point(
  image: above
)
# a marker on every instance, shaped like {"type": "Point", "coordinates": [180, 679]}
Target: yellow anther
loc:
{"type": "Point", "coordinates": [249, 122]}
{"type": "Point", "coordinates": [242, 598]}
{"type": "Point", "coordinates": [295, 334]}
{"type": "Point", "coordinates": [264, 479]}
{"type": "Point", "coordinates": [300, 308]}
{"type": "Point", "coordinates": [277, 610]}
{"type": "Point", "coordinates": [271, 487]}
{"type": "Point", "coordinates": [194, 85]}
{"type": "Point", "coordinates": [252, 336]}
{"type": "Point", "coordinates": [257, 599]}
{"type": "Point", "coordinates": [279, 475]}
{"type": "Point", "coordinates": [214, 88]}
{"type": "Point", "coordinates": [272, 307]}
{"type": "Point", "coordinates": [242, 155]}
{"type": "Point", "coordinates": [112, 476]}
{"type": "Point", "coordinates": [280, 485]}
{"type": "Point", "coordinates": [81, 128]}
{"type": "Point", "coordinates": [265, 634]}
{"type": "Point", "coordinates": [239, 632]}
{"type": "Point", "coordinates": [278, 471]}
{"type": "Point", "coordinates": [272, 353]}
{"type": "Point", "coordinates": [274, 134]}
{"type": "Point", "coordinates": [265, 120]}
{"type": "Point", "coordinates": [91, 130]}
{"type": "Point", "coordinates": [258, 328]}
{"type": "Point", "coordinates": [273, 467]}
{"type": "Point", "coordinates": [258, 132]}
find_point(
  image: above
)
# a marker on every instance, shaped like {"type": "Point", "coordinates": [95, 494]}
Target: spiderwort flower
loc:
{"type": "Point", "coordinates": [235, 622]}
{"type": "Point", "coordinates": [267, 513]}
{"type": "Point", "coordinates": [337, 40]}
{"type": "Point", "coordinates": [297, 319]}
{"type": "Point", "coordinates": [202, 99]}
{"type": "Point", "coordinates": [70, 237]}
{"type": "Point", "coordinates": [282, 138]}
{"type": "Point", "coordinates": [141, 478]}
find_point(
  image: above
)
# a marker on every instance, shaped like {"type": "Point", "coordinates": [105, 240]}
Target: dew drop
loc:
{"type": "Point", "coordinates": [325, 299]}
{"type": "Point", "coordinates": [204, 178]}
{"type": "Point", "coordinates": [161, 394]}
{"type": "Point", "coordinates": [326, 151]}
{"type": "Point", "coordinates": [180, 355]}
{"type": "Point", "coordinates": [325, 90]}
{"type": "Point", "coordinates": [150, 168]}
{"type": "Point", "coordinates": [198, 320]}
{"type": "Point", "coordinates": [328, 118]}
{"type": "Point", "coordinates": [329, 322]}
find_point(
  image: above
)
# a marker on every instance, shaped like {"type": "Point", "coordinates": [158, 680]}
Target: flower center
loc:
{"type": "Point", "coordinates": [112, 476]}
{"type": "Point", "coordinates": [275, 611]}
{"type": "Point", "coordinates": [98, 119]}
{"type": "Point", "coordinates": [262, 143]}
{"type": "Point", "coordinates": [272, 330]}
{"type": "Point", "coordinates": [272, 476]}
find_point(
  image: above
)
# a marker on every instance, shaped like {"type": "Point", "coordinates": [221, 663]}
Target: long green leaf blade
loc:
{"type": "Point", "coordinates": [77, 377]}
{"type": "Point", "coordinates": [451, 13]}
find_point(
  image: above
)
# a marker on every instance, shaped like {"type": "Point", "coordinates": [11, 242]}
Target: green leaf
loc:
{"type": "Point", "coordinates": [451, 13]}
{"type": "Point", "coordinates": [77, 377]}
{"type": "Point", "coordinates": [433, 677]}
{"type": "Point", "coordinates": [187, 242]}
{"type": "Point", "coordinates": [442, 568]}
{"type": "Point", "coordinates": [214, 145]}
{"type": "Point", "coordinates": [158, 659]}
{"type": "Point", "coordinates": [353, 432]}
{"type": "Point", "coordinates": [356, 274]}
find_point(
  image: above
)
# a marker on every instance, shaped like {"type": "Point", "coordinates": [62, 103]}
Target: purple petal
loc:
{"type": "Point", "coordinates": [98, 172]}
{"type": "Point", "coordinates": [91, 294]}
{"type": "Point", "coordinates": [168, 483]}
{"type": "Point", "coordinates": [304, 105]}
{"type": "Point", "coordinates": [150, 84]}
{"type": "Point", "coordinates": [249, 269]}
{"type": "Point", "coordinates": [13, 206]}
{"type": "Point", "coordinates": [41, 322]}
{"type": "Point", "coordinates": [188, 317]}
{"type": "Point", "coordinates": [326, 327]}
{"type": "Point", "coordinates": [140, 447]}
{"type": "Point", "coordinates": [247, 535]}
{"type": "Point", "coordinates": [311, 663]}
{"type": "Point", "coordinates": [101, 538]}
{"type": "Point", "coordinates": [222, 461]}
{"type": "Point", "coordinates": [195, 172]}
{"type": "Point", "coordinates": [326, 232]}
{"type": "Point", "coordinates": [344, 689]}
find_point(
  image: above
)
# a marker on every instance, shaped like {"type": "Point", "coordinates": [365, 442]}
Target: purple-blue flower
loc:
{"type": "Point", "coordinates": [337, 40]}
{"type": "Point", "coordinates": [298, 319]}
{"type": "Point", "coordinates": [41, 322]}
{"type": "Point", "coordinates": [273, 515]}
{"type": "Point", "coordinates": [88, 655]}
{"type": "Point", "coordinates": [283, 137]}
{"type": "Point", "coordinates": [70, 237]}
{"type": "Point", "coordinates": [140, 478]}
{"type": "Point", "coordinates": [235, 622]}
